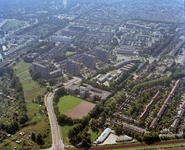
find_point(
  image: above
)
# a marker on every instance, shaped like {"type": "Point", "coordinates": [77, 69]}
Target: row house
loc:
{"type": "Point", "coordinates": [164, 106]}
{"type": "Point", "coordinates": [147, 109]}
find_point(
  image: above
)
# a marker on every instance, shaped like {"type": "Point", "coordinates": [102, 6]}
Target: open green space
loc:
{"type": "Point", "coordinates": [28, 85]}
{"type": "Point", "coordinates": [43, 47]}
{"type": "Point", "coordinates": [31, 89]}
{"type": "Point", "coordinates": [33, 112]}
{"type": "Point", "coordinates": [42, 126]}
{"type": "Point", "coordinates": [65, 129]}
{"type": "Point", "coordinates": [113, 72]}
{"type": "Point", "coordinates": [11, 24]}
{"type": "Point", "coordinates": [33, 93]}
{"type": "Point", "coordinates": [78, 83]}
{"type": "Point", "coordinates": [24, 76]}
{"type": "Point", "coordinates": [157, 70]}
{"type": "Point", "coordinates": [68, 102]}
{"type": "Point", "coordinates": [70, 53]}
{"type": "Point", "coordinates": [91, 79]}
{"type": "Point", "coordinates": [21, 67]}
{"type": "Point", "coordinates": [95, 133]}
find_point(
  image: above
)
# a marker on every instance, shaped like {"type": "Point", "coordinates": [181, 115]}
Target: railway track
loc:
{"type": "Point", "coordinates": [136, 145]}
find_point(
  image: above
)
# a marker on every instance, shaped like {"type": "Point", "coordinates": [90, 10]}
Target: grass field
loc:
{"type": "Point", "coordinates": [32, 112]}
{"type": "Point", "coordinates": [24, 76]}
{"type": "Point", "coordinates": [21, 67]}
{"type": "Point", "coordinates": [68, 103]}
{"type": "Point", "coordinates": [70, 53]}
{"type": "Point", "coordinates": [94, 134]}
{"type": "Point", "coordinates": [65, 129]}
{"type": "Point", "coordinates": [113, 72]}
{"type": "Point", "coordinates": [30, 87]}
{"type": "Point", "coordinates": [11, 24]}
{"type": "Point", "coordinates": [33, 93]}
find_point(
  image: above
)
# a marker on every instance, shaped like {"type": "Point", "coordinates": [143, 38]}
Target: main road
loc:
{"type": "Point", "coordinates": [57, 143]}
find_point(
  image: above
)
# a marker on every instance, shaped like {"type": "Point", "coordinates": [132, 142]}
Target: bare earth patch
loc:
{"type": "Point", "coordinates": [81, 110]}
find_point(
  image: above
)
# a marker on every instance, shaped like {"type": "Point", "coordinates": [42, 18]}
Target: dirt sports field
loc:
{"type": "Point", "coordinates": [81, 110]}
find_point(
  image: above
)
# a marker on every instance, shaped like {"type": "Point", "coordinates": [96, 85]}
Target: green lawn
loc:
{"type": "Point", "coordinates": [65, 129]}
{"type": "Point", "coordinates": [78, 83]}
{"type": "Point", "coordinates": [70, 53]}
{"type": "Point", "coordinates": [11, 24]}
{"type": "Point", "coordinates": [91, 79]}
{"type": "Point", "coordinates": [113, 72]}
{"type": "Point", "coordinates": [157, 70]}
{"type": "Point", "coordinates": [67, 103]}
{"type": "Point", "coordinates": [21, 67]}
{"type": "Point", "coordinates": [33, 112]}
{"type": "Point", "coordinates": [24, 76]}
{"type": "Point", "coordinates": [94, 134]}
{"type": "Point", "coordinates": [33, 93]}
{"type": "Point", "coordinates": [28, 85]}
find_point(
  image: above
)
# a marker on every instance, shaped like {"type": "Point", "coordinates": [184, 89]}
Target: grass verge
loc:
{"type": "Point", "coordinates": [65, 129]}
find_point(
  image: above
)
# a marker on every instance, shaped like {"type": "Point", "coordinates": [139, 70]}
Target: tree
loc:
{"type": "Point", "coordinates": [71, 133]}
{"type": "Point", "coordinates": [22, 119]}
{"type": "Point", "coordinates": [92, 122]}
{"type": "Point", "coordinates": [118, 130]}
{"type": "Point", "coordinates": [77, 128]}
{"type": "Point", "coordinates": [35, 75]}
{"type": "Point", "coordinates": [39, 138]}
{"type": "Point", "coordinates": [103, 114]}
{"type": "Point", "coordinates": [39, 98]}
{"type": "Point", "coordinates": [33, 136]}
{"type": "Point", "coordinates": [62, 118]}
{"type": "Point", "coordinates": [86, 142]}
{"type": "Point", "coordinates": [183, 135]}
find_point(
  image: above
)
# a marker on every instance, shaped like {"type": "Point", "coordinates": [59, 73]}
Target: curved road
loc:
{"type": "Point", "coordinates": [57, 143]}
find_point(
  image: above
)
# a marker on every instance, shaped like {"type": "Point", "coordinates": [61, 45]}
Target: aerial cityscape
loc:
{"type": "Point", "coordinates": [92, 74]}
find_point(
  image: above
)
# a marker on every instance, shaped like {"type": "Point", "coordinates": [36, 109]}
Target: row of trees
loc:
{"type": "Point", "coordinates": [162, 81]}
{"type": "Point", "coordinates": [37, 138]}
{"type": "Point", "coordinates": [158, 46]}
{"type": "Point", "coordinates": [35, 75]}
{"type": "Point", "coordinates": [22, 115]}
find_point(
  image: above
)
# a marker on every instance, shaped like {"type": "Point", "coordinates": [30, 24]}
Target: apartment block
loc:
{"type": "Point", "coordinates": [89, 61]}
{"type": "Point", "coordinates": [103, 55]}
{"type": "Point", "coordinates": [73, 67]}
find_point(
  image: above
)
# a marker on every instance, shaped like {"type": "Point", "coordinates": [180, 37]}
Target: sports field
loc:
{"type": "Point", "coordinates": [68, 102]}
{"type": "Point", "coordinates": [81, 110]}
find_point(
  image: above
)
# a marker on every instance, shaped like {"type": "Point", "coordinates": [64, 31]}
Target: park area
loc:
{"type": "Point", "coordinates": [11, 24]}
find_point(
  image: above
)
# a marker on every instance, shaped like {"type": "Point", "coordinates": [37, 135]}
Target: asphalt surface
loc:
{"type": "Point", "coordinates": [57, 143]}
